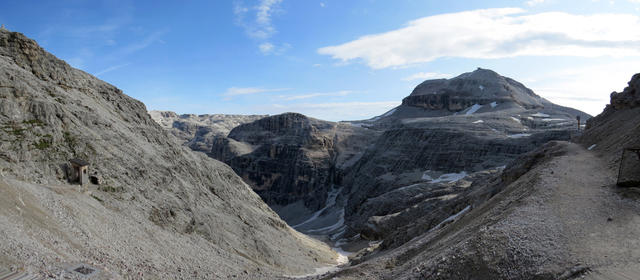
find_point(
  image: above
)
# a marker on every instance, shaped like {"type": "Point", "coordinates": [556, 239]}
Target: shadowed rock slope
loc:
{"type": "Point", "coordinates": [157, 209]}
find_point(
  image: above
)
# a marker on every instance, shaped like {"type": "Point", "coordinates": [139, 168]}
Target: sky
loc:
{"type": "Point", "coordinates": [334, 59]}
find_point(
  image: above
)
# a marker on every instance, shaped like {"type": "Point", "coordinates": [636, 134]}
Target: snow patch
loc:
{"type": "Point", "coordinates": [473, 109]}
{"type": "Point", "coordinates": [517, 120]}
{"type": "Point", "coordinates": [481, 87]}
{"type": "Point", "coordinates": [331, 201]}
{"type": "Point", "coordinates": [552, 120]}
{"type": "Point", "coordinates": [540, 115]}
{"type": "Point", "coordinates": [478, 121]}
{"type": "Point", "coordinates": [493, 104]}
{"type": "Point", "coordinates": [450, 177]}
{"type": "Point", "coordinates": [591, 147]}
{"type": "Point", "coordinates": [519, 135]}
{"type": "Point", "coordinates": [452, 218]}
{"type": "Point", "coordinates": [426, 176]}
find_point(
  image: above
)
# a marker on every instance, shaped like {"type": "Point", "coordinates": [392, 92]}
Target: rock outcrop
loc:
{"type": "Point", "coordinates": [162, 210]}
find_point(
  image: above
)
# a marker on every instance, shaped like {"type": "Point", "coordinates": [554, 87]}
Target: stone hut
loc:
{"type": "Point", "coordinates": [79, 171]}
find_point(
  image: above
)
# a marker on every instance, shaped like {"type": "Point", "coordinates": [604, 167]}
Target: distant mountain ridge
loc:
{"type": "Point", "coordinates": [393, 176]}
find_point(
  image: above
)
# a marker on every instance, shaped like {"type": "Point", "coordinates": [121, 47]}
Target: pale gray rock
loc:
{"type": "Point", "coordinates": [198, 132]}
{"type": "Point", "coordinates": [171, 212]}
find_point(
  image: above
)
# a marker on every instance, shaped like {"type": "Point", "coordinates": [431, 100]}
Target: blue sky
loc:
{"type": "Point", "coordinates": [334, 59]}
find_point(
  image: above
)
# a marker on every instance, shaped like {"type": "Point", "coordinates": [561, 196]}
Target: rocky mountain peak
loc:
{"type": "Point", "coordinates": [288, 125]}
{"type": "Point", "coordinates": [482, 86]}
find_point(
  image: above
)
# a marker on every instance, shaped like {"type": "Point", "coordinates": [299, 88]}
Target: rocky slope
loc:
{"type": "Point", "coordinates": [554, 213]}
{"type": "Point", "coordinates": [156, 209]}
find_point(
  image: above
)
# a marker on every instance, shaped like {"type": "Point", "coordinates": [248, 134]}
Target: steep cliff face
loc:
{"type": "Point", "coordinates": [290, 157]}
{"type": "Point", "coordinates": [160, 192]}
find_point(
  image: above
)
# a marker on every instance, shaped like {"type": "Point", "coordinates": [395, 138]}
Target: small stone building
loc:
{"type": "Point", "coordinates": [79, 171]}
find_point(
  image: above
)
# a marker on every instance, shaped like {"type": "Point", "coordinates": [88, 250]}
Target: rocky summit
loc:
{"type": "Point", "coordinates": [151, 208]}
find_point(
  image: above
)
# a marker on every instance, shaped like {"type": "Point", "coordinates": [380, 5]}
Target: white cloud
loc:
{"type": "Point", "coordinates": [495, 33]}
{"type": "Point", "coordinates": [322, 5]}
{"type": "Point", "coordinates": [236, 91]}
{"type": "Point", "coordinates": [426, 76]}
{"type": "Point", "coordinates": [586, 87]}
{"type": "Point", "coordinates": [261, 26]}
{"type": "Point", "coordinates": [534, 2]}
{"type": "Point", "coordinates": [316, 94]}
{"type": "Point", "coordinates": [268, 48]}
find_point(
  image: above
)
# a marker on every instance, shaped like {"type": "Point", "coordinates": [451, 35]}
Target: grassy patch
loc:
{"type": "Point", "coordinates": [97, 198]}
{"type": "Point", "coordinates": [33, 122]}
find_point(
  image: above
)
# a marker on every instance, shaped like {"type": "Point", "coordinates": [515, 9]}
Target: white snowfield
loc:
{"type": "Point", "coordinates": [452, 218]}
{"type": "Point", "coordinates": [540, 115]}
{"type": "Point", "coordinates": [515, 119]}
{"type": "Point", "coordinates": [519, 135]}
{"type": "Point", "coordinates": [449, 177]}
{"type": "Point", "coordinates": [493, 104]}
{"type": "Point", "coordinates": [478, 121]}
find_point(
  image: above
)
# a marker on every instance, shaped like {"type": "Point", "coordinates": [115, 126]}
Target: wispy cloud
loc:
{"type": "Point", "coordinates": [426, 76]}
{"type": "Point", "coordinates": [267, 48]}
{"type": "Point", "coordinates": [495, 33]}
{"type": "Point", "coordinates": [237, 91]}
{"type": "Point", "coordinates": [257, 23]}
{"type": "Point", "coordinates": [112, 68]}
{"type": "Point", "coordinates": [142, 44]}
{"type": "Point", "coordinates": [260, 26]}
{"type": "Point", "coordinates": [316, 94]}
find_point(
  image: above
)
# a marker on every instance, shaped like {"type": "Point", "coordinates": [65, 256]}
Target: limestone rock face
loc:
{"type": "Point", "coordinates": [51, 113]}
